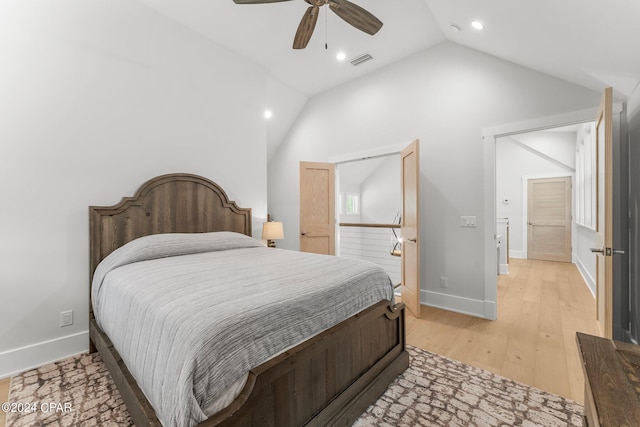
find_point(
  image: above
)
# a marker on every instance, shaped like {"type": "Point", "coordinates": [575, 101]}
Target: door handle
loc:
{"type": "Point", "coordinates": [414, 240]}
{"type": "Point", "coordinates": [608, 251]}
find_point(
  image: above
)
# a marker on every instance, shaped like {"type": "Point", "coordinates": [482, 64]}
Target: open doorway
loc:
{"type": "Point", "coordinates": [318, 222]}
{"type": "Point", "coordinates": [490, 137]}
{"type": "Point", "coordinates": [545, 187]}
{"type": "Point", "coordinates": [369, 206]}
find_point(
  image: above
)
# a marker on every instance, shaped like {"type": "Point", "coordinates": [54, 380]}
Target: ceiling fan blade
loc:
{"type": "Point", "coordinates": [356, 16]}
{"type": "Point", "coordinates": [306, 27]}
{"type": "Point", "coordinates": [257, 1]}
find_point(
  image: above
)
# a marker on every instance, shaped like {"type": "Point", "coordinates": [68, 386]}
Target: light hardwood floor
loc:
{"type": "Point", "coordinates": [541, 306]}
{"type": "Point", "coordinates": [4, 397]}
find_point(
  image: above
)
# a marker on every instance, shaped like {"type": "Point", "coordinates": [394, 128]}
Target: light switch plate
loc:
{"type": "Point", "coordinates": [467, 221]}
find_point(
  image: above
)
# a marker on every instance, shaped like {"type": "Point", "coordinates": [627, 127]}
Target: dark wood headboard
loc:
{"type": "Point", "coordinates": [173, 203]}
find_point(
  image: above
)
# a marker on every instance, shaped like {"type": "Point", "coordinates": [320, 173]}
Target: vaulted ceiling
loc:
{"type": "Point", "coordinates": [591, 43]}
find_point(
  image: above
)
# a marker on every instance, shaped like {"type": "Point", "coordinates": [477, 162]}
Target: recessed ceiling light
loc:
{"type": "Point", "coordinates": [268, 114]}
{"type": "Point", "coordinates": [341, 56]}
{"type": "Point", "coordinates": [477, 25]}
{"type": "Point", "coordinates": [455, 28]}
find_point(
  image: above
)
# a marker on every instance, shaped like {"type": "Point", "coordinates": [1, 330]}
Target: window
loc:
{"type": "Point", "coordinates": [350, 203]}
{"type": "Point", "coordinates": [586, 176]}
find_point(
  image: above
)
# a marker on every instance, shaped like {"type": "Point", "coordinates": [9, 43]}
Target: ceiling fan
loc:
{"type": "Point", "coordinates": [349, 12]}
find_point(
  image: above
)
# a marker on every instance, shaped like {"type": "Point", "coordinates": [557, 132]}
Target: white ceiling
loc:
{"type": "Point", "coordinates": [356, 172]}
{"type": "Point", "coordinates": [592, 43]}
{"type": "Point", "coordinates": [264, 33]}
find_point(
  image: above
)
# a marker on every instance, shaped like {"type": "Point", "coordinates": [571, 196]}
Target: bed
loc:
{"type": "Point", "coordinates": [327, 378]}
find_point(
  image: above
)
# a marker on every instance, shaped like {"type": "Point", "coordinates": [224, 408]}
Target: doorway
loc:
{"type": "Point", "coordinates": [493, 201]}
{"type": "Point", "coordinates": [315, 176]}
{"type": "Point", "coordinates": [368, 192]}
{"type": "Point", "coordinates": [545, 160]}
{"type": "Point", "coordinates": [612, 197]}
{"type": "Point", "coordinates": [540, 188]}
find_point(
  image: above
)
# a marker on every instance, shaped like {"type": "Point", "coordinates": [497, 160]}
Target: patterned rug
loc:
{"type": "Point", "coordinates": [437, 391]}
{"type": "Point", "coordinates": [434, 391]}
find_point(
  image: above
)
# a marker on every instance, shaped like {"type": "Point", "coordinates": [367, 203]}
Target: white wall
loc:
{"type": "Point", "coordinates": [522, 157]}
{"type": "Point", "coordinates": [377, 181]}
{"type": "Point", "coordinates": [585, 238]}
{"type": "Point", "coordinates": [444, 96]}
{"type": "Point", "coordinates": [586, 260]}
{"type": "Point", "coordinates": [381, 201]}
{"type": "Point", "coordinates": [349, 238]}
{"type": "Point", "coordinates": [558, 146]}
{"type": "Point", "coordinates": [381, 192]}
{"type": "Point", "coordinates": [95, 98]}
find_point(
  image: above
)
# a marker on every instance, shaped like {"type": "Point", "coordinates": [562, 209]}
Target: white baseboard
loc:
{"type": "Point", "coordinates": [13, 362]}
{"type": "Point", "coordinates": [504, 269]}
{"type": "Point", "coordinates": [588, 279]}
{"type": "Point", "coordinates": [518, 254]}
{"type": "Point", "coordinates": [472, 307]}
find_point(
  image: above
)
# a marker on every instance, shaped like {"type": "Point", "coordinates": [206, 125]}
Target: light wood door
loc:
{"type": "Point", "coordinates": [549, 219]}
{"type": "Point", "coordinates": [604, 212]}
{"type": "Point", "coordinates": [317, 208]}
{"type": "Point", "coordinates": [410, 227]}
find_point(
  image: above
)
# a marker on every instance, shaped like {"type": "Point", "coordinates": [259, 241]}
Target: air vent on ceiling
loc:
{"type": "Point", "coordinates": [360, 59]}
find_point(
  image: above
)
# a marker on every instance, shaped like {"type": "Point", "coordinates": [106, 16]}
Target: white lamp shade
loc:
{"type": "Point", "coordinates": [272, 230]}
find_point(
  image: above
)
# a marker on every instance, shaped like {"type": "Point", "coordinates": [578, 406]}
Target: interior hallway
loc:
{"type": "Point", "coordinates": [541, 306]}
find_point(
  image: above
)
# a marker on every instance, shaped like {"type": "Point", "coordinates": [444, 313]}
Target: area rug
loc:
{"type": "Point", "coordinates": [438, 391]}
{"type": "Point", "coordinates": [434, 391]}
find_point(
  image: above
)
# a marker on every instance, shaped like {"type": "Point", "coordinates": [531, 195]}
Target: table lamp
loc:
{"type": "Point", "coordinates": [272, 230]}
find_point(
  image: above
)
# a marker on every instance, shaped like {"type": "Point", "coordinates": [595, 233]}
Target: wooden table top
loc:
{"type": "Point", "coordinates": [612, 377]}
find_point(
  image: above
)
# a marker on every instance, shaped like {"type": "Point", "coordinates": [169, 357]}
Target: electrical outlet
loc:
{"type": "Point", "coordinates": [443, 282]}
{"type": "Point", "coordinates": [66, 318]}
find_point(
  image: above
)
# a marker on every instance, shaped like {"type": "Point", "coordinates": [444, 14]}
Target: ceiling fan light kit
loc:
{"type": "Point", "coordinates": [351, 13]}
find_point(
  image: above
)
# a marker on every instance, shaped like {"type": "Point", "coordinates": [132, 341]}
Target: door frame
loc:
{"type": "Point", "coordinates": [489, 137]}
{"type": "Point", "coordinates": [388, 150]}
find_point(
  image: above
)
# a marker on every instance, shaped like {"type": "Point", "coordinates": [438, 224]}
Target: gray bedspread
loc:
{"type": "Point", "coordinates": [191, 314]}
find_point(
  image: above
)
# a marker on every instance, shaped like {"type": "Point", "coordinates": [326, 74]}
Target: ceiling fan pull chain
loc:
{"type": "Point", "coordinates": [326, 44]}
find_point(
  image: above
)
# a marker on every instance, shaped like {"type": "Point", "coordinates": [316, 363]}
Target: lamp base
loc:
{"type": "Point", "coordinates": [271, 243]}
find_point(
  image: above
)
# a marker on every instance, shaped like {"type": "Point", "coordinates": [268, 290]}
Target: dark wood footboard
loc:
{"type": "Point", "coordinates": [328, 380]}
{"type": "Point", "coordinates": [139, 408]}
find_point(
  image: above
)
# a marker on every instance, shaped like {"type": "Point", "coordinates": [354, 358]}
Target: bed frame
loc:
{"type": "Point", "coordinates": [330, 379]}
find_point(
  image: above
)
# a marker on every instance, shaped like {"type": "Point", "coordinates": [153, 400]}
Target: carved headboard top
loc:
{"type": "Point", "coordinates": [173, 203]}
